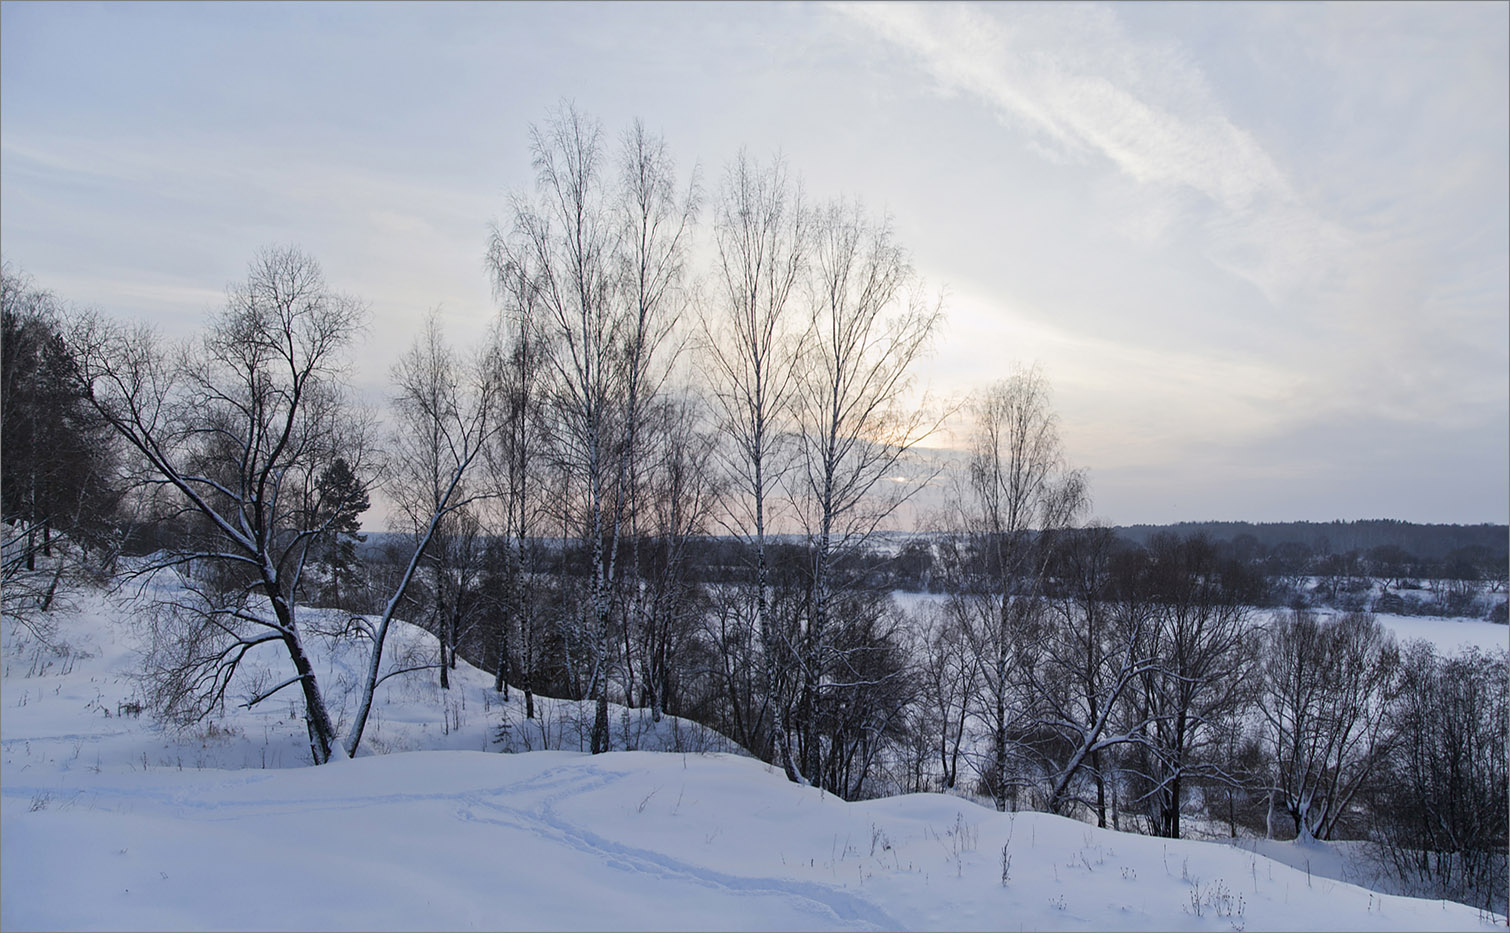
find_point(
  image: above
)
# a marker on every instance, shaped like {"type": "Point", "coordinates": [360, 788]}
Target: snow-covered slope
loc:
{"type": "Point", "coordinates": [106, 821]}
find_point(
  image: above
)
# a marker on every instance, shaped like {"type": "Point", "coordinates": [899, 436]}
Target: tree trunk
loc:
{"type": "Point", "coordinates": [1100, 789]}
{"type": "Point", "coordinates": [600, 638]}
{"type": "Point", "coordinates": [322, 733]}
{"type": "Point", "coordinates": [999, 761]}
{"type": "Point", "coordinates": [443, 618]}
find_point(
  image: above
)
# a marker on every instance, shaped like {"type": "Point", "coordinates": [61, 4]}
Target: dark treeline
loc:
{"type": "Point", "coordinates": [1464, 581]}
{"type": "Point", "coordinates": [587, 506]}
{"type": "Point", "coordinates": [1430, 542]}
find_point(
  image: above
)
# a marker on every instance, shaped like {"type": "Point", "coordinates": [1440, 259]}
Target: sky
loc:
{"type": "Point", "coordinates": [1260, 251]}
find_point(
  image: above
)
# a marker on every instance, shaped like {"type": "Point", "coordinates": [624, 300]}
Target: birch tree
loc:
{"type": "Point", "coordinates": [609, 253]}
{"type": "Point", "coordinates": [569, 235]}
{"type": "Point", "coordinates": [522, 377]}
{"type": "Point", "coordinates": [1015, 490]}
{"type": "Point", "coordinates": [868, 325]}
{"type": "Point", "coordinates": [653, 232]}
{"type": "Point", "coordinates": [762, 232]}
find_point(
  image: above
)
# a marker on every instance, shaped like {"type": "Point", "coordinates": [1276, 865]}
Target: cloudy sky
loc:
{"type": "Point", "coordinates": [1262, 252]}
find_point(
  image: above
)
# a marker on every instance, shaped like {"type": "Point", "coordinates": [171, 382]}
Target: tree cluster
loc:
{"type": "Point", "coordinates": [59, 477]}
{"type": "Point", "coordinates": [1383, 566]}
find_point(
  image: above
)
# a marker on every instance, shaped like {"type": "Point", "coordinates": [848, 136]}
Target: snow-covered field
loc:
{"type": "Point", "coordinates": [1448, 634]}
{"type": "Point", "coordinates": [109, 822]}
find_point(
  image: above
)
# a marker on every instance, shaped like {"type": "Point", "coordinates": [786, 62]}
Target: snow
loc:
{"type": "Point", "coordinates": [1448, 634]}
{"type": "Point", "coordinates": [109, 821]}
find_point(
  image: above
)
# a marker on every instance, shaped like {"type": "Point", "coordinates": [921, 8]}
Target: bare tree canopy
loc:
{"type": "Point", "coordinates": [1014, 492]}
{"type": "Point", "coordinates": [868, 324]}
{"type": "Point", "coordinates": [238, 427]}
{"type": "Point", "coordinates": [762, 233]}
{"type": "Point", "coordinates": [608, 256]}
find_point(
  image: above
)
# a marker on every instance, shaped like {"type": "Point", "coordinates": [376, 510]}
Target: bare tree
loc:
{"type": "Point", "coordinates": [435, 386]}
{"type": "Point", "coordinates": [1442, 812]}
{"type": "Point", "coordinates": [237, 426]}
{"type": "Point", "coordinates": [570, 239]}
{"type": "Point", "coordinates": [1206, 652]}
{"type": "Point", "coordinates": [654, 228]}
{"type": "Point", "coordinates": [949, 668]}
{"type": "Point", "coordinates": [679, 491]}
{"type": "Point", "coordinates": [761, 231]}
{"type": "Point", "coordinates": [1096, 649]}
{"type": "Point", "coordinates": [522, 373]}
{"type": "Point", "coordinates": [1015, 493]}
{"type": "Point", "coordinates": [609, 258]}
{"type": "Point", "coordinates": [1327, 686]}
{"type": "Point", "coordinates": [869, 324]}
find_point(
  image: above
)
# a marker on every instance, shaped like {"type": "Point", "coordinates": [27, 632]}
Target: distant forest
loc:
{"type": "Point", "coordinates": [1377, 565]}
{"type": "Point", "coordinates": [1426, 542]}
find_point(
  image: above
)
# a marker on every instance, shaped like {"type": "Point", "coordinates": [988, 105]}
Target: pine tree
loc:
{"type": "Point", "coordinates": [59, 467]}
{"type": "Point", "coordinates": [342, 500]}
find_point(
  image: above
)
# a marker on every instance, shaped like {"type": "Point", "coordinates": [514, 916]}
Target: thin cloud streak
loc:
{"type": "Point", "coordinates": [1072, 75]}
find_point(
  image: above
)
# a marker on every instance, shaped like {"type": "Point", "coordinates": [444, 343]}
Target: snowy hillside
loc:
{"type": "Point", "coordinates": [110, 822]}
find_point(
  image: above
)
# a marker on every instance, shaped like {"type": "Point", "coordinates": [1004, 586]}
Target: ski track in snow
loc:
{"type": "Point", "coordinates": [534, 805]}
{"type": "Point", "coordinates": [829, 905]}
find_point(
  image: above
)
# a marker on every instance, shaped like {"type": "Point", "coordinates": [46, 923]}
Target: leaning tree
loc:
{"type": "Point", "coordinates": [238, 427]}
